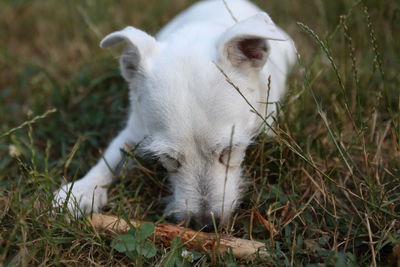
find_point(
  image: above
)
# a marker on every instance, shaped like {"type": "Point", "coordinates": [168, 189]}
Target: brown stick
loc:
{"type": "Point", "coordinates": [193, 240]}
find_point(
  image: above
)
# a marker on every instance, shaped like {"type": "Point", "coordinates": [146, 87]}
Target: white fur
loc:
{"type": "Point", "coordinates": [185, 111]}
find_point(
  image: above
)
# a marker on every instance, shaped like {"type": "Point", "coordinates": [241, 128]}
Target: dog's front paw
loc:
{"type": "Point", "coordinates": [81, 197]}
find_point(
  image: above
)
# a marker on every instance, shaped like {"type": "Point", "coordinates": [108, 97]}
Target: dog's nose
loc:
{"type": "Point", "coordinates": [208, 228]}
{"type": "Point", "coordinates": [205, 223]}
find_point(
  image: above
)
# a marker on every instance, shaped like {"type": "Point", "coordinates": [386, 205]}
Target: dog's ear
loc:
{"type": "Point", "coordinates": [139, 48]}
{"type": "Point", "coordinates": [245, 44]}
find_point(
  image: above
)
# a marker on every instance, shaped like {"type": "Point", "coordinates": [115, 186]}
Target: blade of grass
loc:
{"type": "Point", "coordinates": [29, 122]}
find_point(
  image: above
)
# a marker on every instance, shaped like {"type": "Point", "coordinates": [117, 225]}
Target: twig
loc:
{"type": "Point", "coordinates": [194, 240]}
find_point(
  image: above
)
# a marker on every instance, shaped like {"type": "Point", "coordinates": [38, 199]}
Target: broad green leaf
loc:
{"type": "Point", "coordinates": [178, 262]}
{"type": "Point", "coordinates": [145, 230]}
{"type": "Point", "coordinates": [148, 250]}
{"type": "Point", "coordinates": [170, 261]}
{"type": "Point", "coordinates": [124, 243]}
{"type": "Point", "coordinates": [174, 258]}
{"type": "Point", "coordinates": [176, 243]}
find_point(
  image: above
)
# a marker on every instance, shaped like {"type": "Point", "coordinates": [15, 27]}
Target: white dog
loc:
{"type": "Point", "coordinates": [185, 112]}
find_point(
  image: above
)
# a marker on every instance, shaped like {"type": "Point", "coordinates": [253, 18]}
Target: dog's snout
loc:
{"type": "Point", "coordinates": [201, 222]}
{"type": "Point", "coordinates": [208, 228]}
{"type": "Point", "coordinates": [204, 222]}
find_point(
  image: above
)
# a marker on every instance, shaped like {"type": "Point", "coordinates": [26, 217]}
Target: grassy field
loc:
{"type": "Point", "coordinates": [329, 182]}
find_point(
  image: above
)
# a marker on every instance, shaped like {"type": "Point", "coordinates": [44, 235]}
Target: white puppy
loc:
{"type": "Point", "coordinates": [185, 112]}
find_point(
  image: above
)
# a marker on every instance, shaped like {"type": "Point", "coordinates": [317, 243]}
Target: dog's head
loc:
{"type": "Point", "coordinates": [195, 121]}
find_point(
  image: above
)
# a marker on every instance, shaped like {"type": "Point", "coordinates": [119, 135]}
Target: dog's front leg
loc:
{"type": "Point", "coordinates": [89, 194]}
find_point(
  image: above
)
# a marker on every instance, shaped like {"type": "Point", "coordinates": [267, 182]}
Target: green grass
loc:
{"type": "Point", "coordinates": [329, 181]}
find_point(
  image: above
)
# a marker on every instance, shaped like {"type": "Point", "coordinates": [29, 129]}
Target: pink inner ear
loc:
{"type": "Point", "coordinates": [253, 48]}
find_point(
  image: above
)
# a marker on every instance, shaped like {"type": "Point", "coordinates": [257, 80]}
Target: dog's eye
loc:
{"type": "Point", "coordinates": [169, 163]}
{"type": "Point", "coordinates": [231, 157]}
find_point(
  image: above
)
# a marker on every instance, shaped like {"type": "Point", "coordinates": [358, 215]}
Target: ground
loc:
{"type": "Point", "coordinates": [328, 182]}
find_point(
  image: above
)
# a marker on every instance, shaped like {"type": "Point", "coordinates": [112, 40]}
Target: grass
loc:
{"type": "Point", "coordinates": [328, 182]}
